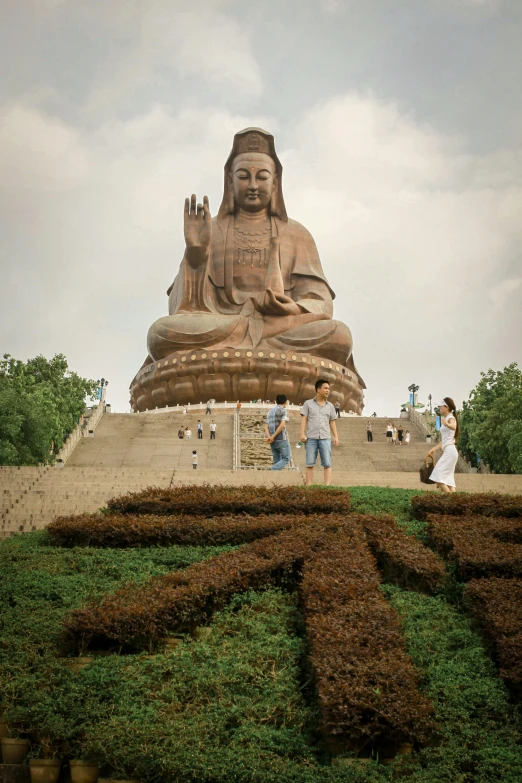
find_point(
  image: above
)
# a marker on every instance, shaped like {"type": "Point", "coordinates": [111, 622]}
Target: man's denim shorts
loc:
{"type": "Point", "coordinates": [321, 445]}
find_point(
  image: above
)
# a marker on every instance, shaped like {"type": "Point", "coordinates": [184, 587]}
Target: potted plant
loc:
{"type": "Point", "coordinates": [15, 749]}
{"type": "Point", "coordinates": [44, 767]}
{"type": "Point", "coordinates": [84, 771]}
{"type": "Point", "coordinates": [428, 438]}
{"type": "Point", "coordinates": [77, 664]}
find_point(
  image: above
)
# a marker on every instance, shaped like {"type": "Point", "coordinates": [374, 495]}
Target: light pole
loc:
{"type": "Point", "coordinates": [413, 389]}
{"type": "Point", "coordinates": [429, 400]}
{"type": "Point", "coordinates": [102, 389]}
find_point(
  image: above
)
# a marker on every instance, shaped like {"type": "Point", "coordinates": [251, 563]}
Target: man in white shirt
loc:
{"type": "Point", "coordinates": [318, 430]}
{"type": "Point", "coordinates": [213, 430]}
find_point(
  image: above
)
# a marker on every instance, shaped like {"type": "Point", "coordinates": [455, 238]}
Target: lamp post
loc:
{"type": "Point", "coordinates": [429, 400]}
{"type": "Point", "coordinates": [413, 389]}
{"type": "Point", "coordinates": [102, 389]}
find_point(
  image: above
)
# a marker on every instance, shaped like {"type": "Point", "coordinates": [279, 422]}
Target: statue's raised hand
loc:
{"type": "Point", "coordinates": [198, 230]}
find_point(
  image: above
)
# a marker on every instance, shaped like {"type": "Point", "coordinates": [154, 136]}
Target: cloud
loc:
{"type": "Point", "coordinates": [503, 290]}
{"type": "Point", "coordinates": [414, 233]}
{"type": "Point", "coordinates": [419, 238]}
{"type": "Point", "coordinates": [204, 45]}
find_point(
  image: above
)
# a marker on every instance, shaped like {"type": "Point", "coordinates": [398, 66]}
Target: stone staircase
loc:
{"type": "Point", "coordinates": [150, 442]}
{"type": "Point", "coordinates": [356, 454]}
{"type": "Point", "coordinates": [132, 451]}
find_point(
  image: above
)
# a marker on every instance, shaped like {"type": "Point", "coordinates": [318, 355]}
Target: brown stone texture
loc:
{"type": "Point", "coordinates": [250, 310]}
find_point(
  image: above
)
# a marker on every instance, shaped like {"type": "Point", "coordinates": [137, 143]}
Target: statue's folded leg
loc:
{"type": "Point", "coordinates": [328, 339]}
{"type": "Point", "coordinates": [186, 331]}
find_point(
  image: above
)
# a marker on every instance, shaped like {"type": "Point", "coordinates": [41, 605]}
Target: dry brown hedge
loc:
{"type": "Point", "coordinates": [480, 546]}
{"type": "Point", "coordinates": [137, 615]}
{"type": "Point", "coordinates": [367, 686]}
{"type": "Point", "coordinates": [461, 504]}
{"type": "Point", "coordinates": [209, 501]}
{"type": "Point", "coordinates": [497, 605]}
{"type": "Point", "coordinates": [130, 530]}
{"type": "Point", "coordinates": [403, 559]}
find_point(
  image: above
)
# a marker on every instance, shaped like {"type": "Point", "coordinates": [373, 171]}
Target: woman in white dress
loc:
{"type": "Point", "coordinates": [444, 472]}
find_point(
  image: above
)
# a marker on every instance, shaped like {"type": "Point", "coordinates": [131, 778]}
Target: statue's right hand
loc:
{"type": "Point", "coordinates": [198, 229]}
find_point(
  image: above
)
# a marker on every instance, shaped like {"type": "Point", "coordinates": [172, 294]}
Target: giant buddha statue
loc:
{"type": "Point", "coordinates": [250, 310]}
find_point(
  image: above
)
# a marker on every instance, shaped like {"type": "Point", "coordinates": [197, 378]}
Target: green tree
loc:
{"type": "Point", "coordinates": [491, 421]}
{"type": "Point", "coordinates": [41, 401]}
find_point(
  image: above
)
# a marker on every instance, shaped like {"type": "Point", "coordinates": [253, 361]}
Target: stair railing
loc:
{"type": "Point", "coordinates": [84, 428]}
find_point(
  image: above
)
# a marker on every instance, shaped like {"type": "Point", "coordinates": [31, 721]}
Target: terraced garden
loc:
{"type": "Point", "coordinates": [270, 634]}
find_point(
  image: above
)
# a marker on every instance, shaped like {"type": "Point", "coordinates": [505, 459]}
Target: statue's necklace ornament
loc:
{"type": "Point", "coordinates": [252, 245]}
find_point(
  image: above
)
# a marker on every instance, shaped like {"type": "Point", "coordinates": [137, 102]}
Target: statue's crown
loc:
{"type": "Point", "coordinates": [252, 141]}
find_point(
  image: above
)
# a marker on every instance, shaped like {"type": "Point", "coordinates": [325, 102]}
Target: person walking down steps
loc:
{"type": "Point", "coordinates": [194, 459]}
{"type": "Point", "coordinates": [200, 430]}
{"type": "Point", "coordinates": [369, 433]}
{"type": "Point", "coordinates": [444, 471]}
{"type": "Point", "coordinates": [213, 430]}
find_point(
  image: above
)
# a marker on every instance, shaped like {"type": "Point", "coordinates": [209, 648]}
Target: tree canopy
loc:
{"type": "Point", "coordinates": [41, 401]}
{"type": "Point", "coordinates": [491, 421]}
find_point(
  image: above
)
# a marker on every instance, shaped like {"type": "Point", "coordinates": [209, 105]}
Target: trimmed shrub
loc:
{"type": "Point", "coordinates": [208, 501]}
{"type": "Point", "coordinates": [462, 504]}
{"type": "Point", "coordinates": [401, 557]}
{"type": "Point", "coordinates": [366, 684]}
{"type": "Point", "coordinates": [131, 530]}
{"type": "Point", "coordinates": [178, 602]}
{"type": "Point", "coordinates": [497, 605]}
{"type": "Point", "coordinates": [479, 545]}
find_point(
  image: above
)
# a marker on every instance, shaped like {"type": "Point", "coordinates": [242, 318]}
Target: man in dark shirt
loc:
{"type": "Point", "coordinates": [276, 435]}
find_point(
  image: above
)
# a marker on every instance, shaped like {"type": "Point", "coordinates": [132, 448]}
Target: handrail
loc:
{"type": "Point", "coordinates": [85, 423]}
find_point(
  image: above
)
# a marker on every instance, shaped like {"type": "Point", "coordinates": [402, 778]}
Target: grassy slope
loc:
{"type": "Point", "coordinates": [232, 708]}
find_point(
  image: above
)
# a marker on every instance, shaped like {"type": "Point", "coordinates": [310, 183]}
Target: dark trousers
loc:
{"type": "Point", "coordinates": [200, 434]}
{"type": "Point", "coordinates": [208, 411]}
{"type": "Point", "coordinates": [212, 436]}
{"type": "Point", "coordinates": [369, 436]}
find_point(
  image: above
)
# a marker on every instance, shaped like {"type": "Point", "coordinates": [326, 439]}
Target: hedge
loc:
{"type": "Point", "coordinates": [401, 557]}
{"type": "Point", "coordinates": [178, 602]}
{"type": "Point", "coordinates": [497, 605]}
{"type": "Point", "coordinates": [479, 545]}
{"type": "Point", "coordinates": [208, 501]}
{"type": "Point", "coordinates": [462, 504]}
{"type": "Point", "coordinates": [367, 686]}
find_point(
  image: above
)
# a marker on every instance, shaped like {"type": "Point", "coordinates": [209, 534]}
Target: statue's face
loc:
{"type": "Point", "coordinates": [253, 180]}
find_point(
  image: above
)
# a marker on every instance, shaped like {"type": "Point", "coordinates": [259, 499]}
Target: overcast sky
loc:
{"type": "Point", "coordinates": [399, 126]}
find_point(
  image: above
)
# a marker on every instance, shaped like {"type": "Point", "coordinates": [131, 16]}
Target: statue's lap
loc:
{"type": "Point", "coordinates": [183, 331]}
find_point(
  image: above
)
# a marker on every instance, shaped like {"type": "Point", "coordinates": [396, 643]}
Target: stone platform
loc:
{"type": "Point", "coordinates": [196, 376]}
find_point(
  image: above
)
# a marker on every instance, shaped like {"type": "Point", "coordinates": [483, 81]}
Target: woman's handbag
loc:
{"type": "Point", "coordinates": [426, 470]}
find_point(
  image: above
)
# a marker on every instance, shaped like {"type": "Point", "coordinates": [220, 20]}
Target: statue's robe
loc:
{"type": "Point", "coordinates": [207, 309]}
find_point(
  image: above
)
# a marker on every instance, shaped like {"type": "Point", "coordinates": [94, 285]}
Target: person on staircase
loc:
{"type": "Point", "coordinates": [444, 472]}
{"type": "Point", "coordinates": [369, 433]}
{"type": "Point", "coordinates": [276, 434]}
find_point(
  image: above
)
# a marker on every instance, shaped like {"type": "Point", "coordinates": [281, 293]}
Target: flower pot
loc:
{"type": "Point", "coordinates": [171, 642]}
{"type": "Point", "coordinates": [14, 750]}
{"type": "Point", "coordinates": [202, 633]}
{"type": "Point", "coordinates": [119, 780]}
{"type": "Point", "coordinates": [77, 664]}
{"type": "Point", "coordinates": [405, 749]}
{"type": "Point", "coordinates": [84, 771]}
{"type": "Point", "coordinates": [44, 770]}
